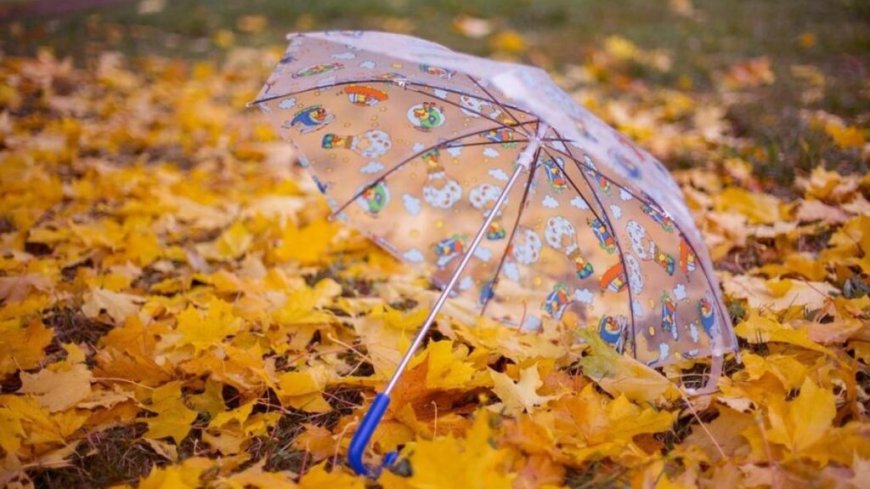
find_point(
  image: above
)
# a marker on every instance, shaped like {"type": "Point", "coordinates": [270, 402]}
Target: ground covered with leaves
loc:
{"type": "Point", "coordinates": [176, 311]}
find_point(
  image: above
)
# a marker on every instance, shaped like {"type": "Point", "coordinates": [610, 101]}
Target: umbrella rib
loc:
{"type": "Point", "coordinates": [492, 98]}
{"type": "Point", "coordinates": [485, 143]}
{"type": "Point", "coordinates": [520, 209]}
{"type": "Point", "coordinates": [388, 82]}
{"type": "Point", "coordinates": [408, 160]}
{"type": "Point", "coordinates": [618, 246]}
{"type": "Point", "coordinates": [648, 201]}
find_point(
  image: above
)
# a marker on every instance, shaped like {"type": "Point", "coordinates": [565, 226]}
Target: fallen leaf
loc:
{"type": "Point", "coordinates": [118, 306]}
{"type": "Point", "coordinates": [520, 396]}
{"type": "Point", "coordinates": [58, 389]}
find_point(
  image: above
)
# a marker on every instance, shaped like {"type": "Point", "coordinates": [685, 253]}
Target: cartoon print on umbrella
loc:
{"type": "Point", "coordinates": [560, 212]}
{"type": "Point", "coordinates": [310, 119]}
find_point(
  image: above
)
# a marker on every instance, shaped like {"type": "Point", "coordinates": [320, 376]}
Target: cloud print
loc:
{"type": "Point", "coordinates": [680, 292]}
{"type": "Point", "coordinates": [465, 283]}
{"type": "Point", "coordinates": [413, 256]}
{"type": "Point", "coordinates": [412, 204]}
{"type": "Point", "coordinates": [616, 211]}
{"type": "Point", "coordinates": [483, 253]}
{"type": "Point", "coordinates": [287, 103]}
{"type": "Point", "coordinates": [371, 167]}
{"type": "Point", "coordinates": [579, 203]}
{"type": "Point", "coordinates": [549, 202]}
{"type": "Point", "coordinates": [499, 174]}
{"type": "Point", "coordinates": [490, 153]}
{"type": "Point", "coordinates": [511, 271]}
{"type": "Point", "coordinates": [584, 296]}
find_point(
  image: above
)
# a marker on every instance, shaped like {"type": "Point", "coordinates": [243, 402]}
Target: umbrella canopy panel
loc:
{"type": "Point", "coordinates": [414, 154]}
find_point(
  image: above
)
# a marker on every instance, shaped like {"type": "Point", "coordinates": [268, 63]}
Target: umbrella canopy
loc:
{"type": "Point", "coordinates": [518, 201]}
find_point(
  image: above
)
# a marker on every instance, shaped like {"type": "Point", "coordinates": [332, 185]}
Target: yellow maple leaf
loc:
{"type": "Point", "coordinates": [254, 477]}
{"type": "Point", "coordinates": [471, 462]}
{"type": "Point", "coordinates": [520, 396]}
{"type": "Point", "coordinates": [118, 306]}
{"type": "Point", "coordinates": [173, 416]}
{"type": "Point", "coordinates": [303, 390]}
{"type": "Point", "coordinates": [302, 305]}
{"type": "Point", "coordinates": [203, 330]}
{"type": "Point", "coordinates": [59, 388]}
{"type": "Point", "coordinates": [318, 478]}
{"type": "Point", "coordinates": [447, 367]}
{"type": "Point", "coordinates": [183, 476]}
{"type": "Point", "coordinates": [307, 245]}
{"type": "Point", "coordinates": [621, 374]}
{"type": "Point", "coordinates": [800, 423]}
{"type": "Point", "coordinates": [238, 416]}
{"type": "Point", "coordinates": [22, 346]}
{"type": "Point", "coordinates": [234, 241]}
{"type": "Point", "coordinates": [24, 421]}
{"type": "Point", "coordinates": [761, 329]}
{"type": "Point", "coordinates": [758, 208]}
{"type": "Point", "coordinates": [128, 352]}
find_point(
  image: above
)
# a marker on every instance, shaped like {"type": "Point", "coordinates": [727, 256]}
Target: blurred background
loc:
{"type": "Point", "coordinates": [769, 73]}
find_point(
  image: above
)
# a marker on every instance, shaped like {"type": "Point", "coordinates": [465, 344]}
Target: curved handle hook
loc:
{"type": "Point", "coordinates": [364, 433]}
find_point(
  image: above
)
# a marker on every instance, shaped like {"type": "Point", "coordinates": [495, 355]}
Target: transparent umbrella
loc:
{"type": "Point", "coordinates": [518, 201]}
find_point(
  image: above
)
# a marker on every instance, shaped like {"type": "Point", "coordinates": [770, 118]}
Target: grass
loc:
{"type": "Point", "coordinates": [558, 33]}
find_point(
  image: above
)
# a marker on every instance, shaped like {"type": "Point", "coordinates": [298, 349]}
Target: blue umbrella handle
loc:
{"type": "Point", "coordinates": [364, 433]}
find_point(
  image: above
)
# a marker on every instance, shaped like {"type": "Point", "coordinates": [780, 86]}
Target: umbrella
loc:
{"type": "Point", "coordinates": [518, 201]}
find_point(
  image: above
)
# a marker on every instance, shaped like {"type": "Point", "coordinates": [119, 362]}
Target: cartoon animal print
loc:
{"type": "Point", "coordinates": [647, 249]}
{"type": "Point", "coordinates": [475, 107]}
{"type": "Point", "coordinates": [613, 279]}
{"type": "Point", "coordinates": [687, 258]}
{"type": "Point", "coordinates": [483, 197]}
{"type": "Point", "coordinates": [708, 315]}
{"type": "Point", "coordinates": [669, 316]}
{"type": "Point", "coordinates": [502, 136]}
{"type": "Point", "coordinates": [561, 235]}
{"type": "Point", "coordinates": [557, 301]}
{"type": "Point", "coordinates": [370, 144]}
{"type": "Point", "coordinates": [526, 247]}
{"type": "Point", "coordinates": [605, 239]}
{"type": "Point", "coordinates": [659, 216]}
{"type": "Point", "coordinates": [426, 116]}
{"type": "Point", "coordinates": [374, 199]}
{"type": "Point", "coordinates": [363, 96]}
{"type": "Point", "coordinates": [555, 176]}
{"type": "Point", "coordinates": [442, 73]}
{"type": "Point", "coordinates": [310, 119]}
{"type": "Point", "coordinates": [317, 69]}
{"type": "Point", "coordinates": [612, 329]}
{"type": "Point", "coordinates": [439, 191]}
{"type": "Point", "coordinates": [592, 172]}
{"type": "Point", "coordinates": [448, 249]}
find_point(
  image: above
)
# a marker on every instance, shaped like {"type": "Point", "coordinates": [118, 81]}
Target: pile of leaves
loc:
{"type": "Point", "coordinates": [176, 311]}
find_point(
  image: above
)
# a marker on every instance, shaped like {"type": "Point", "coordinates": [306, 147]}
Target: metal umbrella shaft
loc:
{"type": "Point", "coordinates": [376, 411]}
